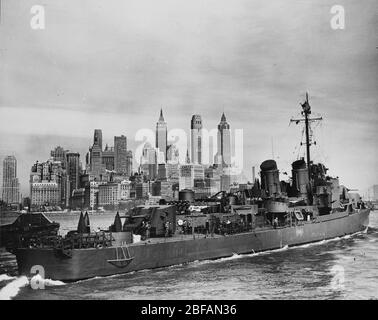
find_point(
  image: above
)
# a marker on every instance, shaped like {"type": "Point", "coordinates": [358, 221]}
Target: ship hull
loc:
{"type": "Point", "coordinates": [87, 263]}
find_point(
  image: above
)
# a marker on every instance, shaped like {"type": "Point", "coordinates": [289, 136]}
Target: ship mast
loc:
{"type": "Point", "coordinates": [306, 112]}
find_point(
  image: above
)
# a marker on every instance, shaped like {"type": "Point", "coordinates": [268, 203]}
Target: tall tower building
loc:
{"type": "Point", "coordinates": [59, 154]}
{"type": "Point", "coordinates": [120, 154]}
{"type": "Point", "coordinates": [161, 135]}
{"type": "Point", "coordinates": [172, 154]}
{"type": "Point", "coordinates": [196, 139]}
{"type": "Point", "coordinates": [129, 163]}
{"type": "Point", "coordinates": [224, 142]}
{"type": "Point", "coordinates": [73, 170]}
{"type": "Point", "coordinates": [108, 158]}
{"type": "Point", "coordinates": [148, 163]}
{"type": "Point", "coordinates": [97, 138]}
{"type": "Point", "coordinates": [96, 166]}
{"type": "Point", "coordinates": [11, 187]}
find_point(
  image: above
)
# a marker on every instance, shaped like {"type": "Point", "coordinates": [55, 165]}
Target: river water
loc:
{"type": "Point", "coordinates": [341, 268]}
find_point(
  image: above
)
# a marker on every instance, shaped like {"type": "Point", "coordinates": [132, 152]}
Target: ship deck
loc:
{"type": "Point", "coordinates": [197, 236]}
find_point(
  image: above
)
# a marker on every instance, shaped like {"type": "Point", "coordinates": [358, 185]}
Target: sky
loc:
{"type": "Point", "coordinates": [113, 65]}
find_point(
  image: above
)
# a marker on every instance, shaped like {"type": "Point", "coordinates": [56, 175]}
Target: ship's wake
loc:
{"type": "Point", "coordinates": [53, 283]}
{"type": "Point", "coordinates": [284, 248]}
{"type": "Point", "coordinates": [5, 277]}
{"type": "Point", "coordinates": [11, 289]}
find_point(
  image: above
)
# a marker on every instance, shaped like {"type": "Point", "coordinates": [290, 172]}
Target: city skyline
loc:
{"type": "Point", "coordinates": [254, 61]}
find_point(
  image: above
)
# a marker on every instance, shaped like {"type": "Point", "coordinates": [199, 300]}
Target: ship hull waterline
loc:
{"type": "Point", "coordinates": [88, 263]}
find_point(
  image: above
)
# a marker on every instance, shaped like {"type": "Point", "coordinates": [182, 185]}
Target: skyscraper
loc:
{"type": "Point", "coordinates": [148, 162]}
{"type": "Point", "coordinates": [129, 163]}
{"type": "Point", "coordinates": [59, 154]}
{"type": "Point", "coordinates": [97, 138]}
{"type": "Point", "coordinates": [120, 154]}
{"type": "Point", "coordinates": [73, 170]}
{"type": "Point", "coordinates": [108, 158]}
{"type": "Point", "coordinates": [224, 142]}
{"type": "Point", "coordinates": [172, 154]}
{"type": "Point", "coordinates": [196, 138]}
{"type": "Point", "coordinates": [11, 187]}
{"type": "Point", "coordinates": [161, 135]}
{"type": "Point", "coordinates": [96, 166]}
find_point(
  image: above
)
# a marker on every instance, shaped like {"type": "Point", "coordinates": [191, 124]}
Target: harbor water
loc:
{"type": "Point", "coordinates": [340, 268]}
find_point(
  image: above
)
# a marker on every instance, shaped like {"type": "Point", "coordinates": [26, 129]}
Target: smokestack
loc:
{"type": "Point", "coordinates": [253, 174]}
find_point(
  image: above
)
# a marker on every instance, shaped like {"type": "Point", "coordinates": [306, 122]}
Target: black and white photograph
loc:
{"type": "Point", "coordinates": [203, 152]}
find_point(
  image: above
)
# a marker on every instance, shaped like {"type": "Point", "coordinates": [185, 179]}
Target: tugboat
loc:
{"type": "Point", "coordinates": [272, 215]}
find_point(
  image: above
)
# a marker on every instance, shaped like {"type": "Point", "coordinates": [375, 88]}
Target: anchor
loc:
{"type": "Point", "coordinates": [123, 260]}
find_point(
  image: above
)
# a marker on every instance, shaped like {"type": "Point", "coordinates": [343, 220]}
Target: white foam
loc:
{"type": "Point", "coordinates": [284, 248]}
{"type": "Point", "coordinates": [53, 283]}
{"type": "Point", "coordinates": [233, 257]}
{"type": "Point", "coordinates": [238, 256]}
{"type": "Point", "coordinates": [5, 277]}
{"type": "Point", "coordinates": [12, 289]}
{"type": "Point", "coordinates": [105, 277]}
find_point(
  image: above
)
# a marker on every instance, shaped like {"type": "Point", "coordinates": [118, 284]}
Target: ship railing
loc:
{"type": "Point", "coordinates": [83, 240]}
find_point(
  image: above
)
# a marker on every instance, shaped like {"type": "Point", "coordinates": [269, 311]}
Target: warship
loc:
{"type": "Point", "coordinates": [272, 214]}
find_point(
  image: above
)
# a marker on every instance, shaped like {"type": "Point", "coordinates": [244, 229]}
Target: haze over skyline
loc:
{"type": "Point", "coordinates": [113, 65]}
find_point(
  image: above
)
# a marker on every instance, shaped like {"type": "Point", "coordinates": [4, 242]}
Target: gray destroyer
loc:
{"type": "Point", "coordinates": [271, 215]}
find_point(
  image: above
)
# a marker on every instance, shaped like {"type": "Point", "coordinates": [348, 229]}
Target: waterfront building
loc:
{"type": "Point", "coordinates": [108, 194]}
{"type": "Point", "coordinates": [125, 190]}
{"type": "Point", "coordinates": [78, 197]}
{"type": "Point", "coordinates": [93, 193]}
{"type": "Point", "coordinates": [49, 184]}
{"type": "Point", "coordinates": [141, 190]}
{"type": "Point", "coordinates": [45, 193]}
{"type": "Point", "coordinates": [11, 186]}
